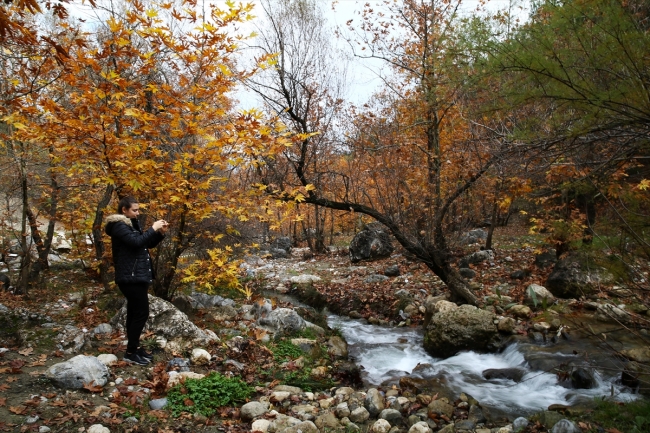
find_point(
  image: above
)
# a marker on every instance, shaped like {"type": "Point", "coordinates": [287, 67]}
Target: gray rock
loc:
{"type": "Point", "coordinates": [373, 242]}
{"type": "Point", "coordinates": [392, 271]}
{"type": "Point", "coordinates": [467, 273]}
{"type": "Point", "coordinates": [5, 282]}
{"type": "Point", "coordinates": [565, 426]}
{"type": "Point", "coordinates": [277, 253]}
{"type": "Point", "coordinates": [158, 403]}
{"type": "Point", "coordinates": [583, 378]}
{"type": "Point", "coordinates": [473, 237]}
{"type": "Point", "coordinates": [514, 374]}
{"type": "Point", "coordinates": [440, 407]}
{"type": "Point", "coordinates": [337, 347]}
{"type": "Point", "coordinates": [576, 276]}
{"type": "Point", "coordinates": [507, 325]}
{"type": "Point", "coordinates": [380, 426]}
{"type": "Point", "coordinates": [612, 313]}
{"type": "Point", "coordinates": [359, 415]}
{"type": "Point", "coordinates": [305, 279]}
{"type": "Point", "coordinates": [393, 416]}
{"type": "Point", "coordinates": [166, 321]}
{"type": "Point", "coordinates": [283, 321]}
{"type": "Point", "coordinates": [253, 409]}
{"type": "Point", "coordinates": [545, 259]}
{"type": "Point", "coordinates": [282, 243]}
{"type": "Point", "coordinates": [476, 414]}
{"type": "Point", "coordinates": [464, 424]}
{"type": "Point", "coordinates": [420, 427]}
{"type": "Point", "coordinates": [519, 274]}
{"type": "Point", "coordinates": [464, 328]}
{"type": "Point", "coordinates": [374, 402]}
{"type": "Point", "coordinates": [519, 424]}
{"type": "Point", "coordinates": [475, 258]}
{"type": "Point", "coordinates": [342, 410]}
{"type": "Point", "coordinates": [302, 427]}
{"type": "Point", "coordinates": [103, 328]}
{"type": "Point", "coordinates": [541, 293]}
{"type": "Point", "coordinates": [375, 278]}
{"type": "Point", "coordinates": [179, 364]}
{"type": "Point", "coordinates": [72, 339]}
{"type": "Point", "coordinates": [79, 371]}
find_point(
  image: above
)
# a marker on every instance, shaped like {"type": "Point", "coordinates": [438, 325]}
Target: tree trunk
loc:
{"type": "Point", "coordinates": [493, 224]}
{"type": "Point", "coordinates": [98, 240]}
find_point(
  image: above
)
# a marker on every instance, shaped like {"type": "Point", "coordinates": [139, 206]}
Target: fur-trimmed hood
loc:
{"type": "Point", "coordinates": [116, 218]}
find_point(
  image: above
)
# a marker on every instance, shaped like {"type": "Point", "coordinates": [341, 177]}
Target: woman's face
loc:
{"type": "Point", "coordinates": [133, 212]}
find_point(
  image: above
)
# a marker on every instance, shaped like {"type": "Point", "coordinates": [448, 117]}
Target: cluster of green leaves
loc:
{"type": "Point", "coordinates": [284, 350]}
{"type": "Point", "coordinates": [207, 394]}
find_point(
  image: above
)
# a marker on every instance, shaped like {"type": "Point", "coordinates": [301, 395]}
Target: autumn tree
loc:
{"type": "Point", "coordinates": [304, 87]}
{"type": "Point", "coordinates": [143, 108]}
{"type": "Point", "coordinates": [581, 72]}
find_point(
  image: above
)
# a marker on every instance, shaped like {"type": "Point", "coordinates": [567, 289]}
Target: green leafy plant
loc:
{"type": "Point", "coordinates": [283, 350]}
{"type": "Point", "coordinates": [207, 394]}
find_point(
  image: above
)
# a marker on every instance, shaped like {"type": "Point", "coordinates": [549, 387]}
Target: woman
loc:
{"type": "Point", "coordinates": [133, 270]}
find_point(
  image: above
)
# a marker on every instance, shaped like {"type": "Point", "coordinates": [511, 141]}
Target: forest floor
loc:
{"type": "Point", "coordinates": [28, 402]}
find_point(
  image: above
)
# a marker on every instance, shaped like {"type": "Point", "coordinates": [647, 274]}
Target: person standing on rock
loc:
{"type": "Point", "coordinates": [133, 270]}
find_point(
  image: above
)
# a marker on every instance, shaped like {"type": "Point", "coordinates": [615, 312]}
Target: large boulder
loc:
{"type": "Point", "coordinates": [452, 330]}
{"type": "Point", "coordinates": [285, 321]}
{"type": "Point", "coordinates": [173, 329]}
{"type": "Point", "coordinates": [79, 371]}
{"type": "Point", "coordinates": [473, 237]}
{"type": "Point", "coordinates": [575, 276]}
{"type": "Point", "coordinates": [373, 242]}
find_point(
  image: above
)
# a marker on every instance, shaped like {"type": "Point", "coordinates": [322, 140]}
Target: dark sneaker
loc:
{"type": "Point", "coordinates": [134, 358]}
{"type": "Point", "coordinates": [144, 354]}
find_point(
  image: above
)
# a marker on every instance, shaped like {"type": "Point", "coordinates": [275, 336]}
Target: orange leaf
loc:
{"type": "Point", "coordinates": [18, 410]}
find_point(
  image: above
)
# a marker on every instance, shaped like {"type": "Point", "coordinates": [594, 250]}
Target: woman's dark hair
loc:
{"type": "Point", "coordinates": [126, 202]}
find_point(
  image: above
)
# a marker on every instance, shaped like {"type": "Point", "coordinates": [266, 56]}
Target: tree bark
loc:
{"type": "Point", "coordinates": [98, 240]}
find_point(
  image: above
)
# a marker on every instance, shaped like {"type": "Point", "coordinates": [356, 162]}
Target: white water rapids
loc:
{"type": "Point", "coordinates": [386, 353]}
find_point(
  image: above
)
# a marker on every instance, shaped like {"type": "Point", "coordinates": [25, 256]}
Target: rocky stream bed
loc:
{"type": "Point", "coordinates": [60, 367]}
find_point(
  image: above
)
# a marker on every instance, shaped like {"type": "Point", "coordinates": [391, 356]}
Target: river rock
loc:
{"type": "Point", "coordinates": [107, 359]}
{"type": "Point", "coordinates": [374, 402]}
{"type": "Point", "coordinates": [420, 427]}
{"type": "Point", "coordinates": [71, 339]}
{"type": "Point", "coordinates": [305, 279]}
{"type": "Point", "coordinates": [380, 426]}
{"type": "Point", "coordinates": [98, 428]}
{"type": "Point", "coordinates": [464, 424]}
{"type": "Point", "coordinates": [359, 415]}
{"type": "Point", "coordinates": [283, 321]}
{"type": "Point", "coordinates": [514, 374]}
{"type": "Point", "coordinates": [612, 313]}
{"type": "Point", "coordinates": [521, 311]}
{"type": "Point", "coordinates": [375, 278]}
{"type": "Point", "coordinates": [102, 329]}
{"type": "Point", "coordinates": [473, 237]}
{"type": "Point", "coordinates": [576, 276]}
{"type": "Point", "coordinates": [475, 258]}
{"type": "Point", "coordinates": [168, 322]}
{"type": "Point", "coordinates": [175, 377]}
{"type": "Point", "coordinates": [467, 273]}
{"type": "Point", "coordinates": [393, 416]}
{"type": "Point", "coordinates": [583, 378]}
{"type": "Point", "coordinates": [639, 354]}
{"type": "Point", "coordinates": [462, 328]}
{"type": "Point", "coordinates": [200, 356]}
{"type": "Point", "coordinates": [507, 325]}
{"type": "Point", "coordinates": [392, 271]}
{"type": "Point", "coordinates": [79, 371]}
{"type": "Point", "coordinates": [440, 407]}
{"type": "Point", "coordinates": [373, 242]}
{"type": "Point", "coordinates": [519, 424]}
{"type": "Point", "coordinates": [253, 409]}
{"type": "Point", "coordinates": [541, 293]}
{"type": "Point", "coordinates": [565, 426]}
{"type": "Point", "coordinates": [301, 427]}
{"type": "Point", "coordinates": [158, 403]}
{"type": "Point", "coordinates": [261, 425]}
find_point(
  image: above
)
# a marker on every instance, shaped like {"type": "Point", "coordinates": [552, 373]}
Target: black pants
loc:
{"type": "Point", "coordinates": [137, 312]}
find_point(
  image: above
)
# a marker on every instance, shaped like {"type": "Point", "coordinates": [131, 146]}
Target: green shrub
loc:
{"type": "Point", "coordinates": [207, 394]}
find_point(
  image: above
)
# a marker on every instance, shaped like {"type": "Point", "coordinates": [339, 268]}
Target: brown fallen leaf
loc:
{"type": "Point", "coordinates": [92, 387]}
{"type": "Point", "coordinates": [12, 379]}
{"type": "Point", "coordinates": [613, 430]}
{"type": "Point", "coordinates": [18, 410]}
{"type": "Point", "coordinates": [3, 401]}
{"type": "Point", "coordinates": [4, 387]}
{"type": "Point", "coordinates": [27, 351]}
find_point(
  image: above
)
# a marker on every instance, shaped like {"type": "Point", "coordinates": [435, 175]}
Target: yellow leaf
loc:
{"type": "Point", "coordinates": [310, 187]}
{"type": "Point", "coordinates": [644, 184]}
{"type": "Point", "coordinates": [152, 13]}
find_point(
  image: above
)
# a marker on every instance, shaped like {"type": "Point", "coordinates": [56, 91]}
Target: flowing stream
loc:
{"type": "Point", "coordinates": [387, 353]}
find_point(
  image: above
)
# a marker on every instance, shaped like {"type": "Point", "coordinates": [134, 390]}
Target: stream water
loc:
{"type": "Point", "coordinates": [388, 353]}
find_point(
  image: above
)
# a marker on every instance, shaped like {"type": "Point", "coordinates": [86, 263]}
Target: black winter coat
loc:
{"type": "Point", "coordinates": [131, 249]}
